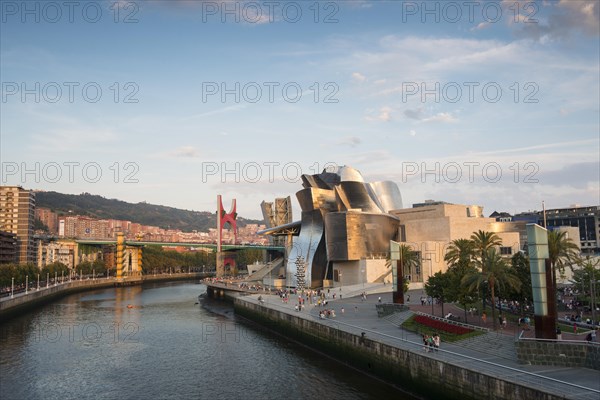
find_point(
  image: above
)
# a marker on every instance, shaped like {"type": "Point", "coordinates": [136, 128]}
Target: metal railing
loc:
{"type": "Point", "coordinates": [452, 322]}
{"type": "Point", "coordinates": [516, 375]}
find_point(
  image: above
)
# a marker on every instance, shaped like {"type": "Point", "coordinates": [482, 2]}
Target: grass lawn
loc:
{"type": "Point", "coordinates": [411, 325]}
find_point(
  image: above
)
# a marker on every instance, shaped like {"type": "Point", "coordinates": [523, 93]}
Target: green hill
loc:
{"type": "Point", "coordinates": [143, 213]}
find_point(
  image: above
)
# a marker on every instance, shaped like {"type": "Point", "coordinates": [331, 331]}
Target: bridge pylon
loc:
{"type": "Point", "coordinates": [222, 219]}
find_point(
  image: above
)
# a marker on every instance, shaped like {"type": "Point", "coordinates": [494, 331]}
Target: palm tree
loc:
{"type": "Point", "coordinates": [407, 258]}
{"type": "Point", "coordinates": [495, 274]}
{"type": "Point", "coordinates": [484, 241]}
{"type": "Point", "coordinates": [460, 251]}
{"type": "Point", "coordinates": [562, 252]}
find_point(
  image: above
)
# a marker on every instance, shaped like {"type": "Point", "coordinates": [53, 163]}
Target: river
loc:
{"type": "Point", "coordinates": [154, 342]}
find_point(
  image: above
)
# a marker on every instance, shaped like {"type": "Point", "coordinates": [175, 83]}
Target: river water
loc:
{"type": "Point", "coordinates": [153, 342]}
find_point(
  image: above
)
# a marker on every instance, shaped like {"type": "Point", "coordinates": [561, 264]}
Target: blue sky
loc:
{"type": "Point", "coordinates": [398, 91]}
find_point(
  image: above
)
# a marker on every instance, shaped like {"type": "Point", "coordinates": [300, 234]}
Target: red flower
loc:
{"type": "Point", "coordinates": [441, 325]}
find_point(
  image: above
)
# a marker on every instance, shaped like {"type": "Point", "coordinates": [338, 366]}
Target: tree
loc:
{"type": "Point", "coordinates": [406, 258]}
{"type": "Point", "coordinates": [460, 251]}
{"type": "Point", "coordinates": [460, 258]}
{"type": "Point", "coordinates": [495, 275]}
{"type": "Point", "coordinates": [457, 292]}
{"type": "Point", "coordinates": [520, 267]}
{"type": "Point", "coordinates": [562, 252]}
{"type": "Point", "coordinates": [438, 286]}
{"type": "Point", "coordinates": [585, 280]}
{"type": "Point", "coordinates": [482, 242]}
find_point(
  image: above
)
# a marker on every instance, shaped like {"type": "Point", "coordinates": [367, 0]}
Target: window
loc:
{"type": "Point", "coordinates": [505, 251]}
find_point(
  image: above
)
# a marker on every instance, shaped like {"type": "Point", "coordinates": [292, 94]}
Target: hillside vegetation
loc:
{"type": "Point", "coordinates": [143, 213]}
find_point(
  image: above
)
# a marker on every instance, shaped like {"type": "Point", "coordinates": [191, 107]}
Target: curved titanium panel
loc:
{"type": "Point", "coordinates": [354, 235]}
{"type": "Point", "coordinates": [349, 174]}
{"type": "Point", "coordinates": [388, 194]}
{"type": "Point", "coordinates": [315, 199]}
{"type": "Point", "coordinates": [306, 245]}
{"type": "Point", "coordinates": [355, 195]}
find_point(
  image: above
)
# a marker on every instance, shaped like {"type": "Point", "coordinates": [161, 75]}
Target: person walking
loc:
{"type": "Point", "coordinates": [436, 341]}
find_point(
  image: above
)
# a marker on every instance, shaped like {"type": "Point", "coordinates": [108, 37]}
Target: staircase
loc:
{"type": "Point", "coordinates": [261, 273]}
{"type": "Point", "coordinates": [493, 343]}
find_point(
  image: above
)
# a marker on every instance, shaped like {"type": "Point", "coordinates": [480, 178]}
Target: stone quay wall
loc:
{"type": "Point", "coordinates": [415, 371]}
{"type": "Point", "coordinates": [559, 354]}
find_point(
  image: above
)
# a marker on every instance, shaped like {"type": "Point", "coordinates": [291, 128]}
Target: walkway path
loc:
{"type": "Point", "coordinates": [491, 353]}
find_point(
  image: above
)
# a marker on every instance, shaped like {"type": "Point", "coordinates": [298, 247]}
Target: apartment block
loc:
{"type": "Point", "coordinates": [17, 216]}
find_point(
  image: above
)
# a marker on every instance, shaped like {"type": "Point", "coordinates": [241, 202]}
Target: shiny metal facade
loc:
{"type": "Point", "coordinates": [343, 219]}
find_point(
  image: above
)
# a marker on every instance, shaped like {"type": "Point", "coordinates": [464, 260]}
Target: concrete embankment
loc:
{"type": "Point", "coordinates": [10, 307]}
{"type": "Point", "coordinates": [414, 370]}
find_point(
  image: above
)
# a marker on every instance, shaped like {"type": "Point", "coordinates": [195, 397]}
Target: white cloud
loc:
{"type": "Point", "coordinates": [383, 115]}
{"type": "Point", "coordinates": [480, 26]}
{"type": "Point", "coordinates": [417, 114]}
{"type": "Point", "coordinates": [444, 117]}
{"type": "Point", "coordinates": [351, 141]}
{"type": "Point", "coordinates": [412, 132]}
{"type": "Point", "coordinates": [357, 76]}
{"type": "Point", "coordinates": [184, 152]}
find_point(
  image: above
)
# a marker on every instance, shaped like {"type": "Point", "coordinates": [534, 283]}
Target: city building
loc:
{"type": "Point", "coordinates": [17, 216]}
{"type": "Point", "coordinates": [48, 218]}
{"type": "Point", "coordinates": [344, 234]}
{"type": "Point", "coordinates": [81, 227]}
{"type": "Point", "coordinates": [63, 251]}
{"type": "Point", "coordinates": [430, 230]}
{"type": "Point", "coordinates": [8, 247]}
{"type": "Point", "coordinates": [585, 219]}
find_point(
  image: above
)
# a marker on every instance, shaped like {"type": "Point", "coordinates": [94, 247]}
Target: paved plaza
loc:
{"type": "Point", "coordinates": [493, 352]}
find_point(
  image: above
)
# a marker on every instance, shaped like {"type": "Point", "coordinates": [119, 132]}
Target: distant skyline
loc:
{"type": "Point", "coordinates": [173, 102]}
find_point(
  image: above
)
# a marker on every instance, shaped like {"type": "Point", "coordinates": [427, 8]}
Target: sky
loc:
{"type": "Point", "coordinates": [494, 103]}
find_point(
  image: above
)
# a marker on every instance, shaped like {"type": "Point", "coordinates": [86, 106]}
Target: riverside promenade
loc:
{"type": "Point", "coordinates": [34, 296]}
{"type": "Point", "coordinates": [492, 354]}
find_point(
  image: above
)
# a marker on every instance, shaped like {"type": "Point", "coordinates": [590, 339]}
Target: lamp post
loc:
{"type": "Point", "coordinates": [62, 276]}
{"type": "Point", "coordinates": [38, 286]}
{"type": "Point", "coordinates": [593, 297]}
{"type": "Point", "coordinates": [12, 288]}
{"type": "Point", "coordinates": [26, 284]}
{"type": "Point", "coordinates": [47, 279]}
{"type": "Point", "coordinates": [430, 275]}
{"type": "Point", "coordinates": [55, 278]}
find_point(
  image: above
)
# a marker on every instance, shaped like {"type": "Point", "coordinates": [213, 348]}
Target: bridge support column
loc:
{"type": "Point", "coordinates": [139, 261]}
{"type": "Point", "coordinates": [120, 251]}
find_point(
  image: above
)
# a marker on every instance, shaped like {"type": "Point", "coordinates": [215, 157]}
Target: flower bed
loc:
{"type": "Point", "coordinates": [441, 325]}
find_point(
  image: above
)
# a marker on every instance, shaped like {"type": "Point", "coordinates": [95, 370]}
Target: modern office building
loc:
{"type": "Point", "coordinates": [586, 219]}
{"type": "Point", "coordinates": [17, 216]}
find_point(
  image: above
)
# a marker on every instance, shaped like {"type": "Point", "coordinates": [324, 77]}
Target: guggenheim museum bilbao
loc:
{"type": "Point", "coordinates": [344, 233]}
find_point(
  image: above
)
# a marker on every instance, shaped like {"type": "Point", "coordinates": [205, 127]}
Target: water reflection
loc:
{"type": "Point", "coordinates": [154, 342]}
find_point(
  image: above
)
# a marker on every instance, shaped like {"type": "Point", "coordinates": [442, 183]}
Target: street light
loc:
{"type": "Point", "coordinates": [38, 286]}
{"type": "Point", "coordinates": [26, 284]}
{"type": "Point", "coordinates": [12, 288]}
{"type": "Point", "coordinates": [430, 275]}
